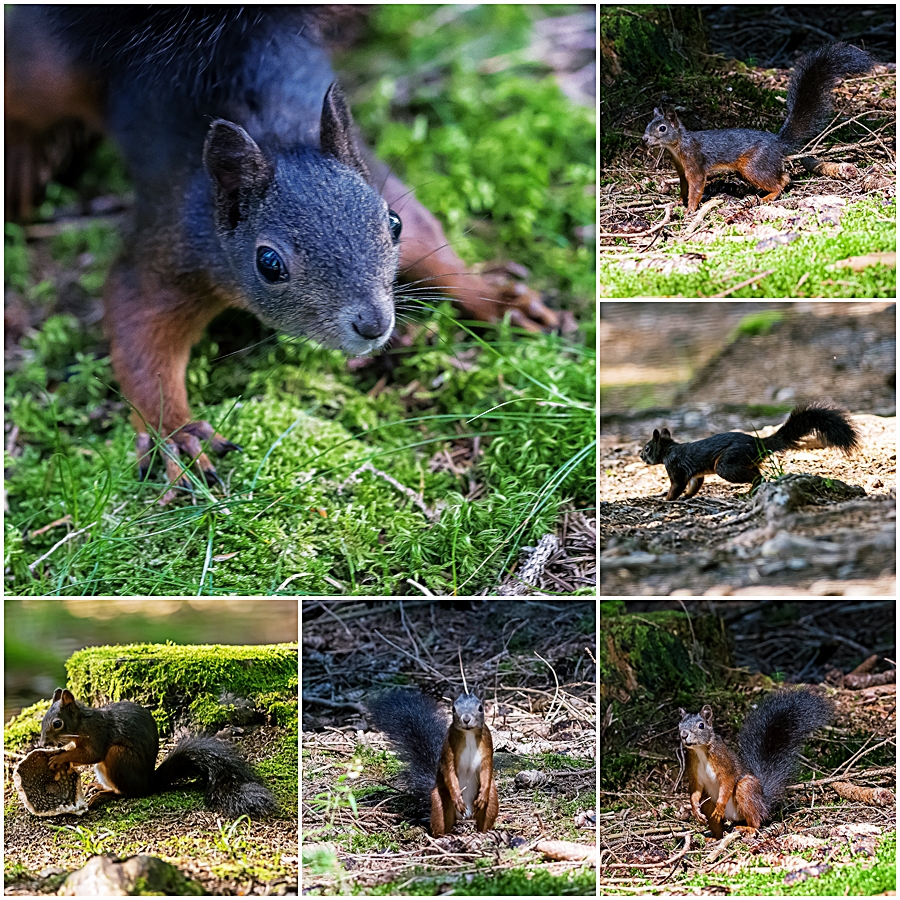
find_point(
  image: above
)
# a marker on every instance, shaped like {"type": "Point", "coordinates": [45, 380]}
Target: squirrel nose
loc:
{"type": "Point", "coordinates": [372, 323]}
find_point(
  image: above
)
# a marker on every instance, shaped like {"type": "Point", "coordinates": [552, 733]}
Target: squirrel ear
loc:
{"type": "Point", "coordinates": [336, 131]}
{"type": "Point", "coordinates": [672, 118]}
{"type": "Point", "coordinates": [706, 714]}
{"type": "Point", "coordinates": [655, 435]}
{"type": "Point", "coordinates": [237, 167]}
{"type": "Point", "coordinates": [67, 698]}
{"type": "Point", "coordinates": [665, 433]}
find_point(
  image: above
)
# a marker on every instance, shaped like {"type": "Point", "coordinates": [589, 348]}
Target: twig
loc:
{"type": "Point", "coordinates": [744, 284]}
{"type": "Point", "coordinates": [57, 545]}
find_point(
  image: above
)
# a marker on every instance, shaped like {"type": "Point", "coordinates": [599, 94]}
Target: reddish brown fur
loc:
{"type": "Point", "coordinates": [446, 797]}
{"type": "Point", "coordinates": [734, 783]}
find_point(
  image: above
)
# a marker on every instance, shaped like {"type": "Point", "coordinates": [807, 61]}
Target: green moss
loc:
{"type": "Point", "coordinates": [522, 882]}
{"type": "Point", "coordinates": [806, 267]}
{"type": "Point", "coordinates": [757, 324]}
{"type": "Point", "coordinates": [508, 163]}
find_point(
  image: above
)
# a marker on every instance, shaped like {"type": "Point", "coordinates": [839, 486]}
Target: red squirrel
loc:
{"type": "Point", "coordinates": [758, 156]}
{"type": "Point", "coordinates": [743, 786]}
{"type": "Point", "coordinates": [121, 741]}
{"type": "Point", "coordinates": [252, 191]}
{"type": "Point", "coordinates": [736, 456]}
{"type": "Point", "coordinates": [453, 766]}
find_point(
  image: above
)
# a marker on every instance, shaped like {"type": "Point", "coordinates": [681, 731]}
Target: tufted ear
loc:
{"type": "Point", "coordinates": [238, 168]}
{"type": "Point", "coordinates": [336, 131]}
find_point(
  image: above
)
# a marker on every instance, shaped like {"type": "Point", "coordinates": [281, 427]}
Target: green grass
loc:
{"type": "Point", "coordinates": [802, 268]}
{"type": "Point", "coordinates": [507, 163]}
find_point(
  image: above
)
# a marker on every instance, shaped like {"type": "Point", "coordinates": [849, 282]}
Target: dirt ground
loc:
{"type": "Point", "coordinates": [801, 536]}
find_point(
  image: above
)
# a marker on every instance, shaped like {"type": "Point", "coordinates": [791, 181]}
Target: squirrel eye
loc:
{"type": "Point", "coordinates": [662, 129]}
{"type": "Point", "coordinates": [700, 726]}
{"type": "Point", "coordinates": [395, 224]}
{"type": "Point", "coordinates": [270, 265]}
{"type": "Point", "coordinates": [57, 723]}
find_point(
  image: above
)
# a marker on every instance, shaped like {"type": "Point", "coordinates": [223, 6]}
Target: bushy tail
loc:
{"type": "Point", "coordinates": [831, 424]}
{"type": "Point", "coordinates": [774, 733]}
{"type": "Point", "coordinates": [809, 93]}
{"type": "Point", "coordinates": [232, 787]}
{"type": "Point", "coordinates": [417, 728]}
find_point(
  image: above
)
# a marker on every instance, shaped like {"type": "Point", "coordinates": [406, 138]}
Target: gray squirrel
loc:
{"type": "Point", "coordinates": [252, 191]}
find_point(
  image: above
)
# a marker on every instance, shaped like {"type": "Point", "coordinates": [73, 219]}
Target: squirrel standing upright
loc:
{"type": "Point", "coordinates": [252, 191]}
{"type": "Point", "coordinates": [758, 155]}
{"type": "Point", "coordinates": [743, 786]}
{"type": "Point", "coordinates": [121, 741]}
{"type": "Point", "coordinates": [736, 456]}
{"type": "Point", "coordinates": [453, 766]}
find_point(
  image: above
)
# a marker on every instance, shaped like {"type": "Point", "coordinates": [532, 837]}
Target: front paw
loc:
{"type": "Point", "coordinates": [187, 442]}
{"type": "Point", "coordinates": [481, 801]}
{"type": "Point", "coordinates": [528, 310]}
{"type": "Point", "coordinates": [59, 761]}
{"type": "Point", "coordinates": [459, 803]}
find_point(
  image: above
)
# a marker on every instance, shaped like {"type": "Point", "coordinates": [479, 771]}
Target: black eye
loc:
{"type": "Point", "coordinates": [395, 225]}
{"type": "Point", "coordinates": [700, 726]}
{"type": "Point", "coordinates": [270, 265]}
{"type": "Point", "coordinates": [57, 724]}
{"type": "Point", "coordinates": [662, 129]}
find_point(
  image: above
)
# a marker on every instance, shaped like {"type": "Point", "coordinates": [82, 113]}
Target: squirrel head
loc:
{"type": "Point", "coordinates": [697, 728]}
{"type": "Point", "coordinates": [312, 247]}
{"type": "Point", "coordinates": [655, 449]}
{"type": "Point", "coordinates": [664, 129]}
{"type": "Point", "coordinates": [54, 723]}
{"type": "Point", "coordinates": [468, 712]}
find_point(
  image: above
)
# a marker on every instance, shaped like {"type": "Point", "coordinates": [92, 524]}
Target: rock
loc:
{"type": "Point", "coordinates": [106, 876]}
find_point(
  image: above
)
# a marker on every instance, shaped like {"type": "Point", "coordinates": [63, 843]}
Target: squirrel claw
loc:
{"type": "Point", "coordinates": [184, 442]}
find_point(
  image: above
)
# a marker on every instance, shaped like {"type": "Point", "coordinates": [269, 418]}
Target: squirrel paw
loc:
{"type": "Point", "coordinates": [481, 801]}
{"type": "Point", "coordinates": [527, 310]}
{"type": "Point", "coordinates": [187, 441]}
{"type": "Point", "coordinates": [459, 803]}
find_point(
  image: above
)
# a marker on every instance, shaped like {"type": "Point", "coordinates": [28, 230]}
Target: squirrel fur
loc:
{"type": "Point", "coordinates": [744, 786]}
{"type": "Point", "coordinates": [736, 456]}
{"type": "Point", "coordinates": [251, 191]}
{"type": "Point", "coordinates": [121, 741]}
{"type": "Point", "coordinates": [759, 156]}
{"type": "Point", "coordinates": [452, 765]}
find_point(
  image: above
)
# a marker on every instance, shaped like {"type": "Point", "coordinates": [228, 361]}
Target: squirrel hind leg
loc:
{"type": "Point", "coordinates": [750, 802]}
{"type": "Point", "coordinates": [443, 812]}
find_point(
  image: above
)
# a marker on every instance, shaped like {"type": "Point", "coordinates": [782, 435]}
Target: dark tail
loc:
{"type": "Point", "coordinates": [832, 425]}
{"type": "Point", "coordinates": [774, 733]}
{"type": "Point", "coordinates": [232, 787]}
{"type": "Point", "coordinates": [809, 93]}
{"type": "Point", "coordinates": [417, 728]}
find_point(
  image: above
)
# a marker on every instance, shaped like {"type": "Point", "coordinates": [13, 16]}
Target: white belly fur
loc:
{"type": "Point", "coordinates": [468, 765]}
{"type": "Point", "coordinates": [707, 778]}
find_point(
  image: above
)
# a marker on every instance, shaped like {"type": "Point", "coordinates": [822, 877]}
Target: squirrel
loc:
{"type": "Point", "coordinates": [454, 765]}
{"type": "Point", "coordinates": [743, 786]}
{"type": "Point", "coordinates": [758, 156]}
{"type": "Point", "coordinates": [736, 456]}
{"type": "Point", "coordinates": [251, 191]}
{"type": "Point", "coordinates": [121, 740]}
